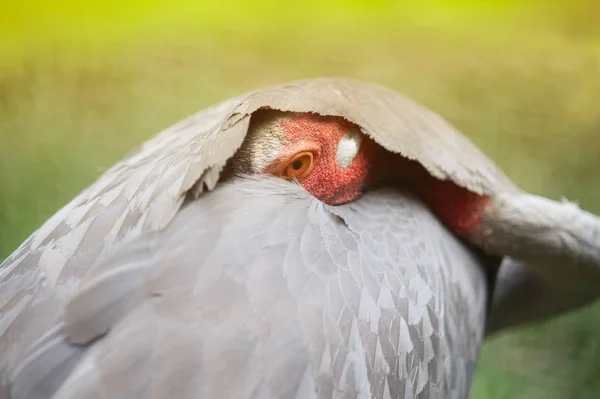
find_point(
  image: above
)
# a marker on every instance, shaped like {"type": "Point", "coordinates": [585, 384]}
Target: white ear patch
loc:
{"type": "Point", "coordinates": [348, 148]}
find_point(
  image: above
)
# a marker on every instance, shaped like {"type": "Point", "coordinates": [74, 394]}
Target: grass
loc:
{"type": "Point", "coordinates": [80, 85]}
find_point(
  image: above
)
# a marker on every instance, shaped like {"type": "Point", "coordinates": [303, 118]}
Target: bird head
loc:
{"type": "Point", "coordinates": [329, 156]}
{"type": "Point", "coordinates": [335, 162]}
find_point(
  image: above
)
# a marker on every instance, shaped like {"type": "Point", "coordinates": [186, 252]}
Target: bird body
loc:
{"type": "Point", "coordinates": [279, 297]}
{"type": "Point", "coordinates": [342, 285]}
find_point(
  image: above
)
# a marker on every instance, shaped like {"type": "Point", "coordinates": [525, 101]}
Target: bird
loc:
{"type": "Point", "coordinates": [317, 239]}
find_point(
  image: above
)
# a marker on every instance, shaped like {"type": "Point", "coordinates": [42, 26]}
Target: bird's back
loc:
{"type": "Point", "coordinates": [258, 290]}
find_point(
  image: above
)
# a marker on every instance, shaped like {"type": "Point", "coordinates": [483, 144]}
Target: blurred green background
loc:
{"type": "Point", "coordinates": [83, 83]}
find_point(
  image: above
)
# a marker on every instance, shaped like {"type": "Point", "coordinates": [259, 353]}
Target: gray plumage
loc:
{"type": "Point", "coordinates": [277, 296]}
{"type": "Point", "coordinates": [145, 298]}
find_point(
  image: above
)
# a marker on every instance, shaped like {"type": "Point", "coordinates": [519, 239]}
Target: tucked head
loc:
{"type": "Point", "coordinates": [327, 155]}
{"type": "Point", "coordinates": [334, 161]}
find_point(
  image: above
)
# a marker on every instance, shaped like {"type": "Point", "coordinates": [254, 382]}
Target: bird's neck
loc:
{"type": "Point", "coordinates": [458, 208]}
{"type": "Point", "coordinates": [557, 238]}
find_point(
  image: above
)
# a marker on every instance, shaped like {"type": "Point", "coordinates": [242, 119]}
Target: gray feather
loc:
{"type": "Point", "coordinates": [183, 306]}
{"type": "Point", "coordinates": [292, 297]}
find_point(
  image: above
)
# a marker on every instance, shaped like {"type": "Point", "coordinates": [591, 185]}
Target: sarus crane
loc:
{"type": "Point", "coordinates": [325, 238]}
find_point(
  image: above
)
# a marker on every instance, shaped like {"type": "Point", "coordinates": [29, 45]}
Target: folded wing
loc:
{"type": "Point", "coordinates": [259, 290]}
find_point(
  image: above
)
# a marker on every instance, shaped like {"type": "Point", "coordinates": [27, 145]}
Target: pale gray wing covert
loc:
{"type": "Point", "coordinates": [260, 290]}
{"type": "Point", "coordinates": [144, 191]}
{"type": "Point", "coordinates": [141, 193]}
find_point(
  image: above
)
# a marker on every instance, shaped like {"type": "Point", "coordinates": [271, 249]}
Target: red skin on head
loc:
{"type": "Point", "coordinates": [327, 181]}
{"type": "Point", "coordinates": [460, 209]}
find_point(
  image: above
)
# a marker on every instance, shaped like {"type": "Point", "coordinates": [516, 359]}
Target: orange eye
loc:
{"type": "Point", "coordinates": [299, 166]}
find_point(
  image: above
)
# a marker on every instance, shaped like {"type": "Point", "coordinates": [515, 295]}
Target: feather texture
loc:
{"type": "Point", "coordinates": [144, 192]}
{"type": "Point", "coordinates": [260, 290]}
{"type": "Point", "coordinates": [146, 295]}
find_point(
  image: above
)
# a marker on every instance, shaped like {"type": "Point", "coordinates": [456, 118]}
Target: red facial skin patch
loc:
{"type": "Point", "coordinates": [327, 181]}
{"type": "Point", "coordinates": [457, 207]}
{"type": "Point", "coordinates": [460, 209]}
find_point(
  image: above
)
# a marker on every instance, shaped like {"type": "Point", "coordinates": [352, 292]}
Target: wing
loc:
{"type": "Point", "coordinates": [395, 122]}
{"type": "Point", "coordinates": [141, 193]}
{"type": "Point", "coordinates": [259, 290]}
{"type": "Point", "coordinates": [144, 191]}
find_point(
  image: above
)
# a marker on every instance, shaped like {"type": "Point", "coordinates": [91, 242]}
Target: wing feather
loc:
{"type": "Point", "coordinates": [144, 192]}
{"type": "Point", "coordinates": [154, 180]}
{"type": "Point", "coordinates": [249, 293]}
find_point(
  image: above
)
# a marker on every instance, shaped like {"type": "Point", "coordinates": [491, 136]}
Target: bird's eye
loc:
{"type": "Point", "coordinates": [299, 166]}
